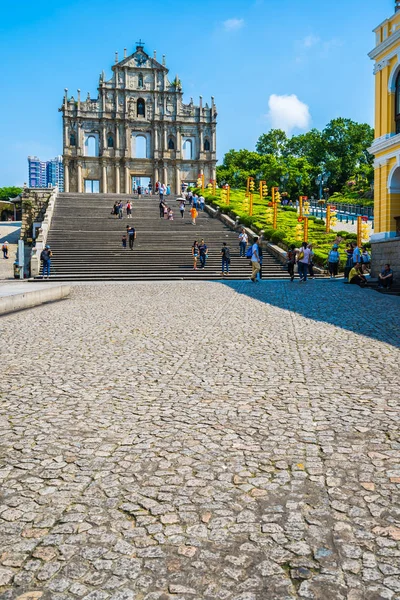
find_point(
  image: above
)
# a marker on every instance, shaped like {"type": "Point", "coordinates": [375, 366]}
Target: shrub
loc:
{"type": "Point", "coordinates": [269, 232]}
{"type": "Point", "coordinates": [289, 208]}
{"type": "Point", "coordinates": [319, 222]}
{"type": "Point", "coordinates": [278, 236]}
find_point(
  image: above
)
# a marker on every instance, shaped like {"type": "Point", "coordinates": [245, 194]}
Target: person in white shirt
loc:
{"type": "Point", "coordinates": [303, 261]}
{"type": "Point", "coordinates": [255, 261]}
{"type": "Point", "coordinates": [243, 239]}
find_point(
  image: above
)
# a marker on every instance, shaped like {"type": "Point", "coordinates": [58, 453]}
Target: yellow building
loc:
{"type": "Point", "coordinates": [386, 146]}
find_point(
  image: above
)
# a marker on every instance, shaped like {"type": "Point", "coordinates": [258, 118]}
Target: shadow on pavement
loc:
{"type": "Point", "coordinates": [361, 311]}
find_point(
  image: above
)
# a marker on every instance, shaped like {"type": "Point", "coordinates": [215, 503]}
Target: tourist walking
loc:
{"type": "Point", "coordinates": [193, 213]}
{"type": "Point", "coordinates": [139, 191]}
{"type": "Point", "coordinates": [255, 260]}
{"type": "Point", "coordinates": [303, 261]}
{"type": "Point", "coordinates": [201, 202]}
{"type": "Point", "coordinates": [131, 231]}
{"type": "Point", "coordinates": [45, 257]}
{"type": "Point", "coordinates": [170, 215]}
{"type": "Point", "coordinates": [349, 260]}
{"type": "Point", "coordinates": [333, 261]}
{"type": "Point", "coordinates": [203, 251]}
{"type": "Point", "coordinates": [366, 260]}
{"type": "Point", "coordinates": [291, 261]}
{"type": "Point", "coordinates": [4, 250]}
{"type": "Point", "coordinates": [161, 209]}
{"type": "Point", "coordinates": [195, 197]}
{"type": "Point", "coordinates": [356, 254]}
{"type": "Point", "coordinates": [243, 239]}
{"type": "Point", "coordinates": [226, 259]}
{"type": "Point", "coordinates": [190, 198]}
{"type": "Point", "coordinates": [120, 210]}
{"type": "Point", "coordinates": [115, 209]}
{"type": "Point", "coordinates": [311, 263]}
{"type": "Point", "coordinates": [182, 208]}
{"type": "Point", "coordinates": [195, 254]}
{"type": "Point", "coordinates": [129, 209]}
{"type": "Point", "coordinates": [124, 241]}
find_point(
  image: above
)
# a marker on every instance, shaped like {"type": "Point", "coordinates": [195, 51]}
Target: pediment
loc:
{"type": "Point", "coordinates": [140, 60]}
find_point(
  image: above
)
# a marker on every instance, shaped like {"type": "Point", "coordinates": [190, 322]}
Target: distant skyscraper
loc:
{"type": "Point", "coordinates": [43, 174]}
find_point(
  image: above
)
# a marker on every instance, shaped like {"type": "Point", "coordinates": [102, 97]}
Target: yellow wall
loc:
{"type": "Point", "coordinates": [387, 206]}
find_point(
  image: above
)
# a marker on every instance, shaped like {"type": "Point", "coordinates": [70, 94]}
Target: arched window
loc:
{"type": "Point", "coordinates": [91, 146]}
{"type": "Point", "coordinates": [140, 80]}
{"type": "Point", "coordinates": [171, 144]}
{"type": "Point", "coordinates": [187, 149]}
{"type": "Point", "coordinates": [72, 140]}
{"type": "Point", "coordinates": [110, 141]}
{"type": "Point", "coordinates": [397, 105]}
{"type": "Point", "coordinates": [141, 108]}
{"type": "Point", "coordinates": [207, 146]}
{"type": "Point", "coordinates": [141, 147]}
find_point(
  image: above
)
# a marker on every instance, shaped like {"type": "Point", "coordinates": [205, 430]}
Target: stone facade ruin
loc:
{"type": "Point", "coordinates": [138, 127]}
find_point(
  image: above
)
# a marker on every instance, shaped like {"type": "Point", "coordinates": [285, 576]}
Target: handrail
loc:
{"type": "Point", "coordinates": [41, 239]}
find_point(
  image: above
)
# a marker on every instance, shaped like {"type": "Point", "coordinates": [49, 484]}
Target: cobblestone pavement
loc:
{"type": "Point", "coordinates": [190, 441]}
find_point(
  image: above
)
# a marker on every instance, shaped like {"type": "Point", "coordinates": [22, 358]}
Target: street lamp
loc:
{"type": "Point", "coordinates": [322, 180]}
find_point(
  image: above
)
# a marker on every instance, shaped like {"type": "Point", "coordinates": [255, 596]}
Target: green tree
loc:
{"type": "Point", "coordinates": [9, 192]}
{"type": "Point", "coordinates": [274, 142]}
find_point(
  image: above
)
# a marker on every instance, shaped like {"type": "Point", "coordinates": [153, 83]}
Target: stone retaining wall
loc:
{"type": "Point", "coordinates": [386, 251]}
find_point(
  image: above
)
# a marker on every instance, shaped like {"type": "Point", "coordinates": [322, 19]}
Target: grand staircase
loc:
{"type": "Point", "coordinates": [86, 243]}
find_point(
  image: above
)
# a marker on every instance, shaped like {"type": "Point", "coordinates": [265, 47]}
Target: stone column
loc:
{"type": "Point", "coordinates": [116, 139]}
{"type": "Point", "coordinates": [104, 178]}
{"type": "Point", "coordinates": [79, 178]}
{"type": "Point", "coordinates": [155, 178]}
{"type": "Point", "coordinates": [66, 136]}
{"type": "Point", "coordinates": [79, 140]}
{"type": "Point", "coordinates": [201, 141]}
{"type": "Point", "coordinates": [117, 179]}
{"type": "Point", "coordinates": [165, 175]}
{"type": "Point", "coordinates": [165, 141]}
{"type": "Point", "coordinates": [127, 142]}
{"type": "Point", "coordinates": [127, 181]}
{"type": "Point", "coordinates": [155, 137]}
{"type": "Point", "coordinates": [178, 141]}
{"type": "Point", "coordinates": [104, 136]}
{"type": "Point", "coordinates": [66, 176]}
{"type": "Point", "coordinates": [178, 180]}
{"type": "Point", "coordinates": [214, 141]}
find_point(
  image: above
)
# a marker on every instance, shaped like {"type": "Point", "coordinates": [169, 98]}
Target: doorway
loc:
{"type": "Point", "coordinates": [142, 182]}
{"type": "Point", "coordinates": [92, 186]}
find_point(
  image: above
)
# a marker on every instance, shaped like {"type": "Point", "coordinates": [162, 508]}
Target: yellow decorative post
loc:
{"type": "Point", "coordinates": [214, 186]}
{"type": "Point", "coordinates": [301, 205]}
{"type": "Point", "coordinates": [276, 198]}
{"type": "Point", "coordinates": [365, 231]}
{"type": "Point", "coordinates": [328, 219]}
{"type": "Point", "coordinates": [263, 185]}
{"type": "Point", "coordinates": [306, 229]}
{"type": "Point", "coordinates": [202, 183]}
{"type": "Point", "coordinates": [224, 195]}
{"type": "Point", "coordinates": [251, 195]}
{"type": "Point", "coordinates": [306, 208]}
{"type": "Point", "coordinates": [228, 194]}
{"type": "Point", "coordinates": [359, 231]}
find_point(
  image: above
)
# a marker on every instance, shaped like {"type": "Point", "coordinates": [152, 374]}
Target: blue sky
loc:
{"type": "Point", "coordinates": [248, 54]}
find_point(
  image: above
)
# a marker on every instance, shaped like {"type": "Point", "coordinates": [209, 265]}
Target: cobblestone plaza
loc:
{"type": "Point", "coordinates": [196, 441]}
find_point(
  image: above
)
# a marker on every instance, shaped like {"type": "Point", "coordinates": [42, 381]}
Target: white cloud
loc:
{"type": "Point", "coordinates": [233, 24]}
{"type": "Point", "coordinates": [310, 40]}
{"type": "Point", "coordinates": [288, 113]}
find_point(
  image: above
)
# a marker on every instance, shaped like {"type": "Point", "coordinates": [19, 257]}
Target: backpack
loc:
{"type": "Point", "coordinates": [44, 255]}
{"type": "Point", "coordinates": [227, 254]}
{"type": "Point", "coordinates": [249, 252]}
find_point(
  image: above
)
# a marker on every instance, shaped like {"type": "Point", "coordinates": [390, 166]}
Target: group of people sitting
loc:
{"type": "Point", "coordinates": [357, 276]}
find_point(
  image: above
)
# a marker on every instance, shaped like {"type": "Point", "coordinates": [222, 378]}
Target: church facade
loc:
{"type": "Point", "coordinates": [138, 128]}
{"type": "Point", "coordinates": [386, 145]}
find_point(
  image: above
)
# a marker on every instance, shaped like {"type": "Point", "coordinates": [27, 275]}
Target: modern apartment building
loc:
{"type": "Point", "coordinates": [43, 174]}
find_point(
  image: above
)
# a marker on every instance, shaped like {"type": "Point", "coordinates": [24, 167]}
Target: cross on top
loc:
{"type": "Point", "coordinates": [140, 44]}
